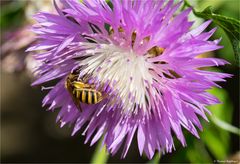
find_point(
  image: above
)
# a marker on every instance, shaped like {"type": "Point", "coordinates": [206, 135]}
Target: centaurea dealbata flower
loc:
{"type": "Point", "coordinates": [138, 54]}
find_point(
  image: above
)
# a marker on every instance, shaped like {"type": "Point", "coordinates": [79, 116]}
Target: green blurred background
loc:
{"type": "Point", "coordinates": [30, 134]}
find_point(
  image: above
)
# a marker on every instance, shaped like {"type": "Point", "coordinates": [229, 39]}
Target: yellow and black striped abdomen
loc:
{"type": "Point", "coordinates": [88, 96]}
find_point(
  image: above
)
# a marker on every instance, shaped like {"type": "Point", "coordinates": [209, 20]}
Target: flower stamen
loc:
{"type": "Point", "coordinates": [155, 51]}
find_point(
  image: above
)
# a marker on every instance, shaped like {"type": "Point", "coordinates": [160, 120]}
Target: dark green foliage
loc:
{"type": "Point", "coordinates": [231, 26]}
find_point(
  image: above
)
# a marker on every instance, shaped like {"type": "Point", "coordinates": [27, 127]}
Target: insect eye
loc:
{"type": "Point", "coordinates": [76, 71]}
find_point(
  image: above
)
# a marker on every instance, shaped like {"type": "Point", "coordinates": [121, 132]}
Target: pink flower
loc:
{"type": "Point", "coordinates": [139, 55]}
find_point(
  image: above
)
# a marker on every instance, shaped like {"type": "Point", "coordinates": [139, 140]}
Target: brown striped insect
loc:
{"type": "Point", "coordinates": [81, 91]}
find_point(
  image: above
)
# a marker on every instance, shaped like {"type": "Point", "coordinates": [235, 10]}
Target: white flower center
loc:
{"type": "Point", "coordinates": [125, 72]}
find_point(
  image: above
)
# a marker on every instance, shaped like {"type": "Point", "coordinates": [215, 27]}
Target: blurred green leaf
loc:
{"type": "Point", "coordinates": [216, 139]}
{"type": "Point", "coordinates": [214, 143]}
{"type": "Point", "coordinates": [223, 110]}
{"type": "Point", "coordinates": [196, 152]}
{"type": "Point", "coordinates": [12, 14]}
{"type": "Point", "coordinates": [226, 52]}
{"type": "Point", "coordinates": [202, 4]}
{"type": "Point", "coordinates": [231, 26]}
{"type": "Point", "coordinates": [100, 155]}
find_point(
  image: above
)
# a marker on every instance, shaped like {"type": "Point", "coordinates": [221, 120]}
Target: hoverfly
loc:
{"type": "Point", "coordinates": [81, 91]}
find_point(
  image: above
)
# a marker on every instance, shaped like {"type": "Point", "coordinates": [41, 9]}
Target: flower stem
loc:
{"type": "Point", "coordinates": [100, 155]}
{"type": "Point", "coordinates": [156, 159]}
{"type": "Point", "coordinates": [226, 126]}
